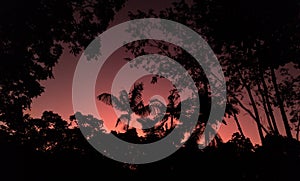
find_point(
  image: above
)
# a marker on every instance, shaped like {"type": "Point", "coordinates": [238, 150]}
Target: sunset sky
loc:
{"type": "Point", "coordinates": [159, 88]}
{"type": "Point", "coordinates": [58, 92]}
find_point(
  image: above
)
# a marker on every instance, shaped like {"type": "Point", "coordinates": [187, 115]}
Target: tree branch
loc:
{"type": "Point", "coordinates": [251, 114]}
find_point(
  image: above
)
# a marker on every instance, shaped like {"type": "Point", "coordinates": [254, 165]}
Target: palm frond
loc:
{"type": "Point", "coordinates": [142, 110]}
{"type": "Point", "coordinates": [157, 107]}
{"type": "Point", "coordinates": [124, 99]}
{"type": "Point", "coordinates": [123, 117]}
{"type": "Point", "coordinates": [106, 98]}
{"type": "Point", "coordinates": [135, 96]}
{"type": "Point", "coordinates": [118, 121]}
{"type": "Point", "coordinates": [113, 101]}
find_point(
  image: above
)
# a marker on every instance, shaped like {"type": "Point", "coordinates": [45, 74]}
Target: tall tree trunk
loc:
{"type": "Point", "coordinates": [265, 89]}
{"type": "Point", "coordinates": [281, 106]}
{"type": "Point", "coordinates": [256, 114]}
{"type": "Point", "coordinates": [265, 107]}
{"type": "Point", "coordinates": [238, 125]}
{"type": "Point", "coordinates": [251, 115]}
{"type": "Point", "coordinates": [127, 126]}
{"type": "Point", "coordinates": [260, 132]}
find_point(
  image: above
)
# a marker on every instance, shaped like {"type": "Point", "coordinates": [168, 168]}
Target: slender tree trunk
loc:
{"type": "Point", "coordinates": [172, 120]}
{"type": "Point", "coordinates": [127, 126]}
{"type": "Point", "coordinates": [260, 132]}
{"type": "Point", "coordinates": [238, 125]}
{"type": "Point", "coordinates": [265, 108]}
{"type": "Point", "coordinates": [251, 115]}
{"type": "Point", "coordinates": [256, 114]}
{"type": "Point", "coordinates": [265, 89]}
{"type": "Point", "coordinates": [281, 106]}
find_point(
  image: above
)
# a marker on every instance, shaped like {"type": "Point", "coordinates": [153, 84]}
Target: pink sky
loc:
{"type": "Point", "coordinates": [58, 92]}
{"type": "Point", "coordinates": [58, 95]}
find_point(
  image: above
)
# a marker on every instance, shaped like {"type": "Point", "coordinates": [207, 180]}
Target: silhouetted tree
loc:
{"type": "Point", "coordinates": [173, 107]}
{"type": "Point", "coordinates": [131, 103]}
{"type": "Point", "coordinates": [251, 39]}
{"type": "Point", "coordinates": [33, 37]}
{"type": "Point", "coordinates": [254, 41]}
{"type": "Point", "coordinates": [232, 111]}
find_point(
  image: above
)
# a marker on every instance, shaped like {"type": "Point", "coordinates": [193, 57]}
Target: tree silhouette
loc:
{"type": "Point", "coordinates": [256, 42]}
{"type": "Point", "coordinates": [170, 113]}
{"type": "Point", "coordinates": [232, 112]}
{"type": "Point", "coordinates": [266, 43]}
{"type": "Point", "coordinates": [131, 103]}
{"type": "Point", "coordinates": [33, 36]}
{"type": "Point", "coordinates": [173, 107]}
{"type": "Point", "coordinates": [251, 41]}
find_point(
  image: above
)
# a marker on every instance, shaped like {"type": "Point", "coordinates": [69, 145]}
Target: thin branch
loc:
{"type": "Point", "coordinates": [164, 51]}
{"type": "Point", "coordinates": [244, 107]}
{"type": "Point", "coordinates": [251, 114]}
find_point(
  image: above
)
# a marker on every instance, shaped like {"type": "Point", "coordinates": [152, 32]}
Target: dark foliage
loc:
{"type": "Point", "coordinates": [252, 38]}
